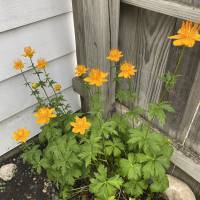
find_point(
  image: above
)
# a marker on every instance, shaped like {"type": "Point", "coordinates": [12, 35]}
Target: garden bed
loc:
{"type": "Point", "coordinates": [27, 184]}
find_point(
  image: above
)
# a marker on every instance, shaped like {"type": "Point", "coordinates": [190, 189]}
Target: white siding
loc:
{"type": "Point", "coordinates": [47, 26]}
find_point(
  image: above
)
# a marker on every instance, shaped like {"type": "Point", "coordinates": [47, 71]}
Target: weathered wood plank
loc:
{"type": "Point", "coordinates": [195, 3]}
{"type": "Point", "coordinates": [96, 30]}
{"type": "Point", "coordinates": [189, 132]}
{"type": "Point", "coordinates": [143, 40]}
{"type": "Point", "coordinates": [179, 96]}
{"type": "Point", "coordinates": [175, 9]}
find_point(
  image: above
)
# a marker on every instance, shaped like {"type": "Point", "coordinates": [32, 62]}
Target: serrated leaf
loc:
{"type": "Point", "coordinates": [102, 186]}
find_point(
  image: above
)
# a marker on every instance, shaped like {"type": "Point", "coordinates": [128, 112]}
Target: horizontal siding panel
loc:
{"type": "Point", "coordinates": [26, 119]}
{"type": "Point", "coordinates": [16, 97]}
{"type": "Point", "coordinates": [50, 38]}
{"type": "Point", "coordinates": [15, 13]}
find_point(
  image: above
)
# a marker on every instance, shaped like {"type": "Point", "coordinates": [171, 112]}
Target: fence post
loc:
{"type": "Point", "coordinates": [96, 25]}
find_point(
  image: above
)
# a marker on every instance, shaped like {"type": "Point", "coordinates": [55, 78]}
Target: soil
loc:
{"type": "Point", "coordinates": [27, 185]}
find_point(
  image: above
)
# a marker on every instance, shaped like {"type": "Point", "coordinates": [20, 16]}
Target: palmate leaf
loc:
{"type": "Point", "coordinates": [169, 80]}
{"type": "Point", "coordinates": [125, 95]}
{"type": "Point", "coordinates": [147, 140]}
{"type": "Point", "coordinates": [135, 112]}
{"type": "Point", "coordinates": [156, 167]}
{"type": "Point", "coordinates": [130, 168]}
{"type": "Point", "coordinates": [158, 111]}
{"type": "Point", "coordinates": [33, 156]}
{"type": "Point", "coordinates": [90, 149]}
{"type": "Point", "coordinates": [135, 188]}
{"type": "Point", "coordinates": [109, 128]}
{"type": "Point", "coordinates": [104, 187]}
{"type": "Point", "coordinates": [114, 147]}
{"type": "Point", "coordinates": [159, 184]}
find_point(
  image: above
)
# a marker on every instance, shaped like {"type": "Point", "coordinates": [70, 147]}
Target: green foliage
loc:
{"type": "Point", "coordinates": [104, 187]}
{"type": "Point", "coordinates": [114, 157]}
{"type": "Point", "coordinates": [169, 79]}
{"type": "Point", "coordinates": [2, 186]}
{"type": "Point", "coordinates": [114, 147]}
{"type": "Point", "coordinates": [33, 155]}
{"type": "Point", "coordinates": [158, 111]}
{"type": "Point", "coordinates": [90, 149]}
{"type": "Point", "coordinates": [125, 95]}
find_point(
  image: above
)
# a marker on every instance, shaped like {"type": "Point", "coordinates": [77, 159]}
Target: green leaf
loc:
{"type": "Point", "coordinates": [90, 149]}
{"type": "Point", "coordinates": [125, 95]}
{"type": "Point", "coordinates": [169, 80]}
{"type": "Point", "coordinates": [114, 147]}
{"type": "Point", "coordinates": [109, 128]}
{"type": "Point", "coordinates": [159, 184]}
{"type": "Point", "coordinates": [104, 187]}
{"type": "Point", "coordinates": [135, 188]}
{"type": "Point", "coordinates": [158, 111]}
{"type": "Point", "coordinates": [129, 168]}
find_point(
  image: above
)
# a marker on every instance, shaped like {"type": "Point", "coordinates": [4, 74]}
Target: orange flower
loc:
{"type": "Point", "coordinates": [57, 87]}
{"type": "Point", "coordinates": [187, 35]}
{"type": "Point", "coordinates": [127, 70]}
{"type": "Point", "coordinates": [96, 77]}
{"type": "Point", "coordinates": [80, 125]}
{"type": "Point", "coordinates": [21, 135]}
{"type": "Point", "coordinates": [44, 115]}
{"type": "Point", "coordinates": [115, 55]}
{"type": "Point", "coordinates": [41, 63]}
{"type": "Point", "coordinates": [80, 70]}
{"type": "Point", "coordinates": [28, 52]}
{"type": "Point", "coordinates": [18, 64]}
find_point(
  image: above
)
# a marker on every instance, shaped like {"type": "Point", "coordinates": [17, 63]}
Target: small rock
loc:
{"type": "Point", "coordinates": [44, 190]}
{"type": "Point", "coordinates": [178, 190]}
{"type": "Point", "coordinates": [7, 171]}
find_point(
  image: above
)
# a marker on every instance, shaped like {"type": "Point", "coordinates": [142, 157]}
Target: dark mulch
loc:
{"type": "Point", "coordinates": [27, 185]}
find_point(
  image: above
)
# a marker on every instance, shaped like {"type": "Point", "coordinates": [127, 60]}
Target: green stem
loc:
{"type": "Point", "coordinates": [179, 60]}
{"type": "Point", "coordinates": [36, 72]}
{"type": "Point", "coordinates": [51, 85]}
{"type": "Point", "coordinates": [28, 84]}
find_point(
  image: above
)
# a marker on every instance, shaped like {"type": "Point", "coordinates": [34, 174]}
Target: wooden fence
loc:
{"type": "Point", "coordinates": [140, 29]}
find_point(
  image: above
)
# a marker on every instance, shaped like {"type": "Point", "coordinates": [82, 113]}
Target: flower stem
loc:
{"type": "Point", "coordinates": [36, 72]}
{"type": "Point", "coordinates": [179, 60]}
{"type": "Point", "coordinates": [28, 84]}
{"type": "Point", "coordinates": [51, 85]}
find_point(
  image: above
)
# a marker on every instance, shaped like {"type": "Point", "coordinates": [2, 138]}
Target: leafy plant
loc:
{"type": "Point", "coordinates": [109, 157]}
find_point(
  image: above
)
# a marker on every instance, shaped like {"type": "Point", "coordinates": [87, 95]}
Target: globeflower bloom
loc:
{"type": "Point", "coordinates": [28, 52]}
{"type": "Point", "coordinates": [44, 115]}
{"type": "Point", "coordinates": [80, 125]}
{"type": "Point", "coordinates": [18, 64]}
{"type": "Point", "coordinates": [127, 70]}
{"type": "Point", "coordinates": [41, 63]}
{"type": "Point", "coordinates": [115, 55]}
{"type": "Point", "coordinates": [21, 135]}
{"type": "Point", "coordinates": [187, 35]}
{"type": "Point", "coordinates": [80, 70]}
{"type": "Point", "coordinates": [57, 87]}
{"type": "Point", "coordinates": [96, 77]}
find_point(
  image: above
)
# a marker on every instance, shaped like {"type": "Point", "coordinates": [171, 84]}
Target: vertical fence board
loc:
{"type": "Point", "coordinates": [181, 92]}
{"type": "Point", "coordinates": [96, 30]}
{"type": "Point", "coordinates": [143, 39]}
